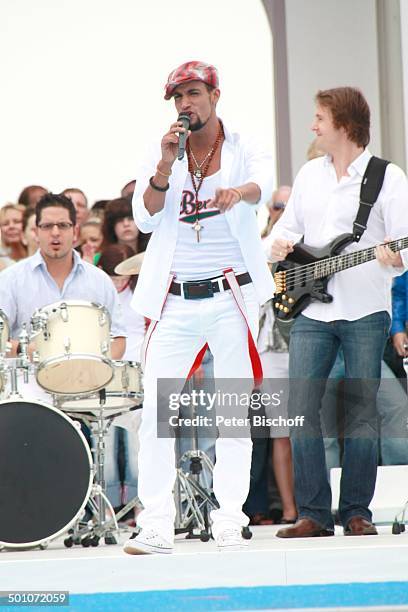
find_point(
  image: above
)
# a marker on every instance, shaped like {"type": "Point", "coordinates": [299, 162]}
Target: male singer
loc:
{"type": "Point", "coordinates": [203, 278]}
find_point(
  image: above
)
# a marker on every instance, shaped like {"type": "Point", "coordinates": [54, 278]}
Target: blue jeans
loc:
{"type": "Point", "coordinates": [392, 407]}
{"type": "Point", "coordinates": [312, 353]}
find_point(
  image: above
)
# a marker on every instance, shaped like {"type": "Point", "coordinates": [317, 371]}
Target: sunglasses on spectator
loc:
{"type": "Point", "coordinates": [278, 205]}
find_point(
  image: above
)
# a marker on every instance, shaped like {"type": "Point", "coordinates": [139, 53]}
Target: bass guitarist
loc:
{"type": "Point", "coordinates": [323, 205]}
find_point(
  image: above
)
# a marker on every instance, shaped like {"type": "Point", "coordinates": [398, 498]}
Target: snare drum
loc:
{"type": "Point", "coordinates": [72, 347]}
{"type": "Point", "coordinates": [46, 473]}
{"type": "Point", "coordinates": [123, 392]}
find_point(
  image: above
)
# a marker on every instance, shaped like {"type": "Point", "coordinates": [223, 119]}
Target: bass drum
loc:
{"type": "Point", "coordinates": [46, 474]}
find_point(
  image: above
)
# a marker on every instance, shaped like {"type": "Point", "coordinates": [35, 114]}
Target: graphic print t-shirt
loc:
{"type": "Point", "coordinates": [217, 249]}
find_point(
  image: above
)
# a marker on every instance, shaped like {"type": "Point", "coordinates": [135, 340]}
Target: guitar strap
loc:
{"type": "Point", "coordinates": [370, 188]}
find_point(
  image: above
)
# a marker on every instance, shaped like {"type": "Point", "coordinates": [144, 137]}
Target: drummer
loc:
{"type": "Point", "coordinates": [56, 272]}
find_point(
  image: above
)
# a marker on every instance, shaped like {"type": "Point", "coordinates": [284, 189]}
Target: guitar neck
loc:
{"type": "Point", "coordinates": [337, 263]}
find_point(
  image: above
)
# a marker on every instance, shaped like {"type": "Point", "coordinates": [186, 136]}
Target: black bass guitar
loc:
{"type": "Point", "coordinates": [304, 274]}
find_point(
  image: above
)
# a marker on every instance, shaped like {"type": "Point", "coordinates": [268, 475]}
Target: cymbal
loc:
{"type": "Point", "coordinates": [130, 266]}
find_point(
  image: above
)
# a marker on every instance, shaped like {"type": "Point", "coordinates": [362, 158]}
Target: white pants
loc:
{"type": "Point", "coordinates": [184, 328]}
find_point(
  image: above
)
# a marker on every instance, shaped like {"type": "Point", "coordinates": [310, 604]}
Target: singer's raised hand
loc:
{"type": "Point", "coordinates": [169, 143]}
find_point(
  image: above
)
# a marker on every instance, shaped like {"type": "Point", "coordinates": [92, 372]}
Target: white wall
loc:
{"type": "Point", "coordinates": [404, 44]}
{"type": "Point", "coordinates": [330, 43]}
{"type": "Point", "coordinates": [82, 83]}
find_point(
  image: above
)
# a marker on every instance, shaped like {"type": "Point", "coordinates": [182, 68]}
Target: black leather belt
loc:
{"type": "Point", "coordinates": [198, 290]}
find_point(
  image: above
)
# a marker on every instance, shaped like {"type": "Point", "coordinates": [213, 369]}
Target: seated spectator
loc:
{"type": "Point", "coordinates": [120, 228]}
{"type": "Point", "coordinates": [98, 209]}
{"type": "Point", "coordinates": [400, 315]}
{"type": "Point", "coordinates": [90, 238]}
{"type": "Point", "coordinates": [31, 195]}
{"type": "Point", "coordinates": [128, 189]}
{"type": "Point", "coordinates": [80, 202]}
{"type": "Point", "coordinates": [29, 231]}
{"type": "Point", "coordinates": [314, 151]}
{"type": "Point", "coordinates": [11, 227]}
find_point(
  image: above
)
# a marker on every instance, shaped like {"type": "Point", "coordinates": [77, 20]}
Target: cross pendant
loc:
{"type": "Point", "coordinates": [197, 228]}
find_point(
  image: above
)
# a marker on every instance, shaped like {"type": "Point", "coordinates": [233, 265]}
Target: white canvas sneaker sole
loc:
{"type": "Point", "coordinates": [231, 540]}
{"type": "Point", "coordinates": [134, 547]}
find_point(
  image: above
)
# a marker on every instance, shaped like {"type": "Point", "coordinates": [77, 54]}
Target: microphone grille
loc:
{"type": "Point", "coordinates": [184, 118]}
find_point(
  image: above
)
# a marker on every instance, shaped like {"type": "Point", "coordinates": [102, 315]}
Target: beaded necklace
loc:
{"type": "Point", "coordinates": [203, 170]}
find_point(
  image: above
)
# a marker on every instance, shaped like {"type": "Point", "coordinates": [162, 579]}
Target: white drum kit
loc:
{"type": "Point", "coordinates": [47, 473]}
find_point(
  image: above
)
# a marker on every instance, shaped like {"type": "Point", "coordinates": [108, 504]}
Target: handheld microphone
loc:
{"type": "Point", "coordinates": [185, 119]}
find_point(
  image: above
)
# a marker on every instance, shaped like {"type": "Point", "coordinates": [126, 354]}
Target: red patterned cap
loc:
{"type": "Point", "coordinates": [191, 71]}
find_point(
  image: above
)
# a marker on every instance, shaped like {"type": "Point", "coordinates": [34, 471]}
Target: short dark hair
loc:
{"type": "Point", "coordinates": [55, 200]}
{"type": "Point", "coordinates": [349, 110]}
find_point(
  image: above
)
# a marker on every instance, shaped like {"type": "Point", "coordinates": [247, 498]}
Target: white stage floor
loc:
{"type": "Point", "coordinates": [268, 562]}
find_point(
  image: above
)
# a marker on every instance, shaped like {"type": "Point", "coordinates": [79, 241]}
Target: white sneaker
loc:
{"type": "Point", "coordinates": [147, 542]}
{"type": "Point", "coordinates": [230, 540]}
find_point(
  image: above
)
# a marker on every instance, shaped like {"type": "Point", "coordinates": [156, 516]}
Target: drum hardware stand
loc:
{"type": "Point", "coordinates": [193, 500]}
{"type": "Point", "coordinates": [21, 362]}
{"type": "Point", "coordinates": [98, 501]}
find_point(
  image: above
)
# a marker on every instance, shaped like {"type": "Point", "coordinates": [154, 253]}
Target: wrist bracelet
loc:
{"type": "Point", "coordinates": [156, 187]}
{"type": "Point", "coordinates": [238, 192]}
{"type": "Point", "coordinates": [163, 173]}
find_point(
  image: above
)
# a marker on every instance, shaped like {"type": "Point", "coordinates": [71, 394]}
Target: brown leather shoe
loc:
{"type": "Point", "coordinates": [304, 528]}
{"type": "Point", "coordinates": [358, 526]}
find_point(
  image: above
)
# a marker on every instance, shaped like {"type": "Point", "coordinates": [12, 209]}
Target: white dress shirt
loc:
{"type": "Point", "coordinates": [27, 285]}
{"type": "Point", "coordinates": [241, 162]}
{"type": "Point", "coordinates": [321, 208]}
